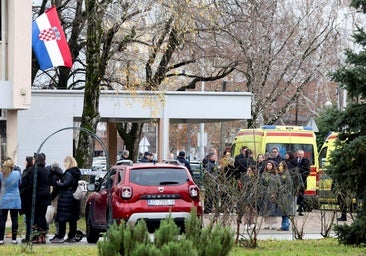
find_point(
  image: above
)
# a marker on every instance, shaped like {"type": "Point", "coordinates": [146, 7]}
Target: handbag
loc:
{"type": "Point", "coordinates": [50, 214]}
{"type": "Point", "coordinates": [80, 190]}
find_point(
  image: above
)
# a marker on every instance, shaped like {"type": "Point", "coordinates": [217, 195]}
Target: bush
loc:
{"type": "Point", "coordinates": [122, 240]}
{"type": "Point", "coordinates": [127, 240]}
{"type": "Point", "coordinates": [355, 234]}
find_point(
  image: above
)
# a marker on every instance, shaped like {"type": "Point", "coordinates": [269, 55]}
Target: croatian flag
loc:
{"type": "Point", "coordinates": [49, 41]}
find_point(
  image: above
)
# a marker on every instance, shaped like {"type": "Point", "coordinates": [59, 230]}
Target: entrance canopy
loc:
{"type": "Point", "coordinates": [52, 110]}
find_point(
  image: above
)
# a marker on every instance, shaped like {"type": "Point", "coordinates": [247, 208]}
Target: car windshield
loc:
{"type": "Point", "coordinates": [158, 176]}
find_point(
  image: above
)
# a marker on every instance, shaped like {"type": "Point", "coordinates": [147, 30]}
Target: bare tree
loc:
{"type": "Point", "coordinates": [174, 54]}
{"type": "Point", "coordinates": [283, 46]}
{"type": "Point", "coordinates": [172, 45]}
{"type": "Point", "coordinates": [103, 41]}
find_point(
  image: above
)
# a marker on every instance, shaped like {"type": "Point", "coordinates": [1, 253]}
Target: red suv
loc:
{"type": "Point", "coordinates": [131, 192]}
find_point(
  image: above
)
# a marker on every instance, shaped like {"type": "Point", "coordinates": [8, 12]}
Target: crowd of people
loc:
{"type": "Point", "coordinates": [53, 186]}
{"type": "Point", "coordinates": [270, 185]}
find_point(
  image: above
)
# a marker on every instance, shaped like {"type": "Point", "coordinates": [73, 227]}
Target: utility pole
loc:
{"type": "Point", "coordinates": [222, 129]}
{"type": "Point", "coordinates": [296, 109]}
{"type": "Point", "coordinates": [202, 131]}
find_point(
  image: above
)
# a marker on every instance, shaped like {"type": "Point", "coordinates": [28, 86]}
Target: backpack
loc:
{"type": "Point", "coordinates": [80, 190]}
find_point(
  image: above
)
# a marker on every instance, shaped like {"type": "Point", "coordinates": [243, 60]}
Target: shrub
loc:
{"type": "Point", "coordinates": [355, 234]}
{"type": "Point", "coordinates": [127, 240]}
{"type": "Point", "coordinates": [123, 239]}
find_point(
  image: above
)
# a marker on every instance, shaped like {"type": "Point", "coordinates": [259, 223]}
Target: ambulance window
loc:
{"type": "Point", "coordinates": [283, 148]}
{"type": "Point", "coordinates": [322, 156]}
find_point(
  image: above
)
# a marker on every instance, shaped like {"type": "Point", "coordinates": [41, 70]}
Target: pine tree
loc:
{"type": "Point", "coordinates": [349, 161]}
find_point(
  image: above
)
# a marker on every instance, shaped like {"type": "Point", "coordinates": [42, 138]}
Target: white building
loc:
{"type": "Point", "coordinates": [15, 69]}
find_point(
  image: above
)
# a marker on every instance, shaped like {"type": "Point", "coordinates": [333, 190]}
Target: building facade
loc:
{"type": "Point", "coordinates": [15, 70]}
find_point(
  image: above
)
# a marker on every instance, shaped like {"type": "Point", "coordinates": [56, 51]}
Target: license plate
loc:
{"type": "Point", "coordinates": [160, 202]}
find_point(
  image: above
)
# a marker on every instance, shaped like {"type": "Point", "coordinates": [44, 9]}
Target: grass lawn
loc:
{"type": "Point", "coordinates": [321, 247]}
{"type": "Point", "coordinates": [328, 246]}
{"type": "Point", "coordinates": [54, 250]}
{"type": "Point", "coordinates": [271, 248]}
{"type": "Point", "coordinates": [61, 250]}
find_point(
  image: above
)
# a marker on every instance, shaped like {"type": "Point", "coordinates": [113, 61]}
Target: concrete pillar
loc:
{"type": "Point", "coordinates": [163, 139]}
{"type": "Point", "coordinates": [11, 134]}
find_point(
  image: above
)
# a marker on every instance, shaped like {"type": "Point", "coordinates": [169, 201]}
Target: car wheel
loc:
{"type": "Point", "coordinates": [92, 234]}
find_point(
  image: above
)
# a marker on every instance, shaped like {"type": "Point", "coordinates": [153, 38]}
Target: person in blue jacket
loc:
{"type": "Point", "coordinates": [9, 199]}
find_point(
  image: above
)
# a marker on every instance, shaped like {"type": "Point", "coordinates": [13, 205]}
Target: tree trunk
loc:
{"type": "Point", "coordinates": [131, 135]}
{"type": "Point", "coordinates": [94, 72]}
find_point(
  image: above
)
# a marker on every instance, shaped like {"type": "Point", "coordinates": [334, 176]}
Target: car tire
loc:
{"type": "Point", "coordinates": [92, 234]}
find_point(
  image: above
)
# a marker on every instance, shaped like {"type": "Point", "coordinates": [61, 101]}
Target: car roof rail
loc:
{"type": "Point", "coordinates": [124, 162]}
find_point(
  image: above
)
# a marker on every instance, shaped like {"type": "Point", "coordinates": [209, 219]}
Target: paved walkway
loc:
{"type": "Point", "coordinates": [310, 223]}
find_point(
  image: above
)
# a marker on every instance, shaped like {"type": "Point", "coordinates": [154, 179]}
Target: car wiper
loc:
{"type": "Point", "coordinates": [168, 182]}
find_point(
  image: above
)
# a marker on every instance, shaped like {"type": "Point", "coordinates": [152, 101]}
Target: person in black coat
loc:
{"type": "Point", "coordinates": [56, 174]}
{"type": "Point", "coordinates": [125, 155]}
{"type": "Point", "coordinates": [304, 170]}
{"type": "Point", "coordinates": [24, 191]}
{"type": "Point", "coordinates": [43, 199]}
{"type": "Point", "coordinates": [243, 162]}
{"type": "Point", "coordinates": [148, 157]}
{"type": "Point", "coordinates": [290, 159]}
{"type": "Point", "coordinates": [239, 159]}
{"type": "Point", "coordinates": [182, 159]}
{"type": "Point", "coordinates": [68, 208]}
{"type": "Point", "coordinates": [275, 156]}
{"type": "Point", "coordinates": [210, 175]}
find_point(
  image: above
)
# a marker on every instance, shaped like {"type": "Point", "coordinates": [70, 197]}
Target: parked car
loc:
{"type": "Point", "coordinates": [87, 173]}
{"type": "Point", "coordinates": [197, 171]}
{"type": "Point", "coordinates": [99, 164]}
{"type": "Point", "coordinates": [136, 191]}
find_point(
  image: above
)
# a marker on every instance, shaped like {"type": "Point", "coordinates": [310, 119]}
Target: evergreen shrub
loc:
{"type": "Point", "coordinates": [126, 240]}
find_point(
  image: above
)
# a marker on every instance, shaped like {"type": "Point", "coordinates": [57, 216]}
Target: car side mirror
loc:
{"type": "Point", "coordinates": [91, 187]}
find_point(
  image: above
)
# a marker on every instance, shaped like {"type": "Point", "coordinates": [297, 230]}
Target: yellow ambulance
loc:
{"type": "Point", "coordinates": [325, 183]}
{"type": "Point", "coordinates": [325, 193]}
{"type": "Point", "coordinates": [285, 138]}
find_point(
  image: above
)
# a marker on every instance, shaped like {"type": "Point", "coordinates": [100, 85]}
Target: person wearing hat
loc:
{"type": "Point", "coordinates": [148, 157]}
{"type": "Point", "coordinates": [182, 159]}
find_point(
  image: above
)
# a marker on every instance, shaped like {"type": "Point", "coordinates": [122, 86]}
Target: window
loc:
{"type": "Point", "coordinates": [283, 148]}
{"type": "Point", "coordinates": [322, 157]}
{"type": "Point", "coordinates": [158, 176]}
